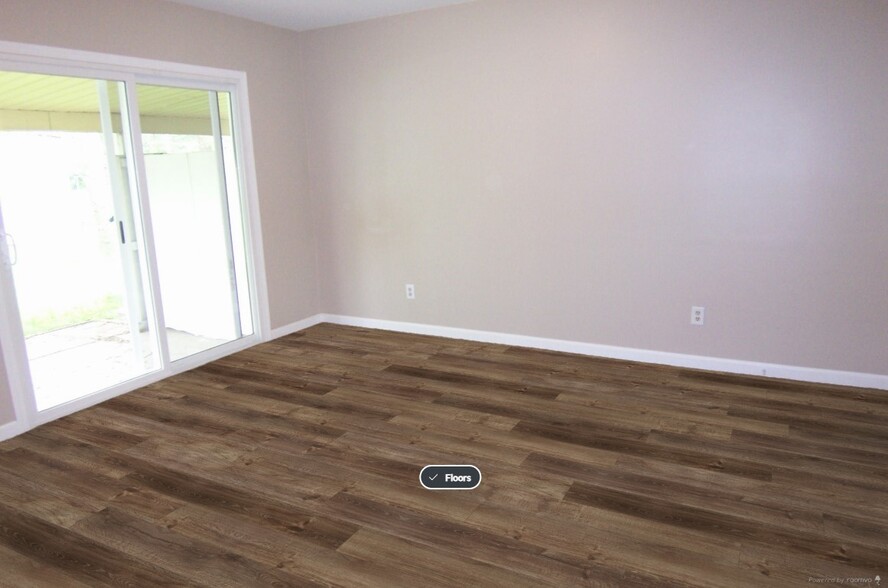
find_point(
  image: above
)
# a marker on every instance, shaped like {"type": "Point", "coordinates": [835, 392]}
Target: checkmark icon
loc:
{"type": "Point", "coordinates": [433, 477]}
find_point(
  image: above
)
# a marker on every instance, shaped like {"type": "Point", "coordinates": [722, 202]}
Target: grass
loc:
{"type": "Point", "coordinates": [105, 308]}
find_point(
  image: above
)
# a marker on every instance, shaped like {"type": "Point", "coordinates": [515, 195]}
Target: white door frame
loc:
{"type": "Point", "coordinates": [54, 61]}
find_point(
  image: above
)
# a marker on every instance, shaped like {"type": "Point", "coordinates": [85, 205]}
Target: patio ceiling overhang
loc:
{"type": "Point", "coordinates": [54, 103]}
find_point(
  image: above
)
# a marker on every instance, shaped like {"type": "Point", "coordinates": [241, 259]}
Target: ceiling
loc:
{"type": "Point", "coordinates": [45, 93]}
{"type": "Point", "coordinates": [303, 15]}
{"type": "Point", "coordinates": [35, 102]}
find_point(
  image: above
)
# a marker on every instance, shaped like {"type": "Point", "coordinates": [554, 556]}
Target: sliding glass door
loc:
{"type": "Point", "coordinates": [122, 229]}
{"type": "Point", "coordinates": [70, 227]}
{"type": "Point", "coordinates": [194, 195]}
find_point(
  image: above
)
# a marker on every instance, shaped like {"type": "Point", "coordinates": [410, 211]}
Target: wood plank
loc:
{"type": "Point", "coordinates": [721, 524]}
{"type": "Point", "coordinates": [80, 557]}
{"type": "Point", "coordinates": [423, 563]}
{"type": "Point", "coordinates": [21, 571]}
{"type": "Point", "coordinates": [198, 560]}
{"type": "Point", "coordinates": [247, 501]}
{"type": "Point", "coordinates": [460, 539]}
{"type": "Point", "coordinates": [304, 559]}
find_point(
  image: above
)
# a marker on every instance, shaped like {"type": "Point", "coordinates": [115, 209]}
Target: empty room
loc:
{"type": "Point", "coordinates": [398, 293]}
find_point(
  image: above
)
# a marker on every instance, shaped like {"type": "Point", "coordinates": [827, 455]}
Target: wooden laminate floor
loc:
{"type": "Point", "coordinates": [296, 463]}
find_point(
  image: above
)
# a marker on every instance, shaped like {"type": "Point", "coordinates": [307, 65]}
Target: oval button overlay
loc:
{"type": "Point", "coordinates": [450, 477]}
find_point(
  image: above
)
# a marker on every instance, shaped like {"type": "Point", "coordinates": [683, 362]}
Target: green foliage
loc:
{"type": "Point", "coordinates": [106, 308]}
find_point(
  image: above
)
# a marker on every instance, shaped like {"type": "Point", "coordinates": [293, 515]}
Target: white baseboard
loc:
{"type": "Point", "coordinates": [10, 430]}
{"type": "Point", "coordinates": [718, 364]}
{"type": "Point", "coordinates": [297, 326]}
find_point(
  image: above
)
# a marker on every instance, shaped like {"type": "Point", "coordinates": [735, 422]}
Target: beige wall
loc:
{"type": "Point", "coordinates": [589, 170]}
{"type": "Point", "coordinates": [160, 30]}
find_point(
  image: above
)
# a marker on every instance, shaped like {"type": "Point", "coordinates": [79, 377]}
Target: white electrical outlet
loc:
{"type": "Point", "coordinates": [411, 291]}
{"type": "Point", "coordinates": [697, 315]}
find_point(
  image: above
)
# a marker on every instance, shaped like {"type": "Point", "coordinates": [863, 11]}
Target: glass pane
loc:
{"type": "Point", "coordinates": [196, 217]}
{"type": "Point", "coordinates": [238, 236]}
{"type": "Point", "coordinates": [68, 208]}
